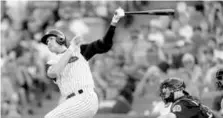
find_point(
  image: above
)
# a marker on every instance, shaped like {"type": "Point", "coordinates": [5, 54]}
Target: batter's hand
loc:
{"type": "Point", "coordinates": [119, 13]}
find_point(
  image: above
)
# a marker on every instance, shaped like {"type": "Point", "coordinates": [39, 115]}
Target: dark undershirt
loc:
{"type": "Point", "coordinates": [98, 46]}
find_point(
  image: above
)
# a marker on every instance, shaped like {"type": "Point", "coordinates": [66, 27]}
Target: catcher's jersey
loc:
{"type": "Point", "coordinates": [76, 74]}
{"type": "Point", "coordinates": [188, 108]}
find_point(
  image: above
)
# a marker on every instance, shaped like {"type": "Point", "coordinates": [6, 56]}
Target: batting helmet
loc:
{"type": "Point", "coordinates": [60, 37]}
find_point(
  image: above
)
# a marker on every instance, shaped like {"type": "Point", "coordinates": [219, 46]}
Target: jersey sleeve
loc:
{"type": "Point", "coordinates": [48, 64]}
{"type": "Point", "coordinates": [51, 62]}
{"type": "Point", "coordinates": [76, 52]}
{"type": "Point", "coordinates": [185, 109]}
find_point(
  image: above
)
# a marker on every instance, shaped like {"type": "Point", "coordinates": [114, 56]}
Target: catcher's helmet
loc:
{"type": "Point", "coordinates": [60, 37]}
{"type": "Point", "coordinates": [173, 85]}
{"type": "Point", "coordinates": [219, 77]}
{"type": "Point", "coordinates": [219, 74]}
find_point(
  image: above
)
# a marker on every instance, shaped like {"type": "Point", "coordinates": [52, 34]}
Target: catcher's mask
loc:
{"type": "Point", "coordinates": [168, 87]}
{"type": "Point", "coordinates": [60, 37]}
{"type": "Point", "coordinates": [219, 78]}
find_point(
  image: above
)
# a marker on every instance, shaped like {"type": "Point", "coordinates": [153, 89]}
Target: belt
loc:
{"type": "Point", "coordinates": [73, 94]}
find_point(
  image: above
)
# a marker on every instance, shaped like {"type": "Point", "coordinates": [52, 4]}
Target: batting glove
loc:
{"type": "Point", "coordinates": [119, 13]}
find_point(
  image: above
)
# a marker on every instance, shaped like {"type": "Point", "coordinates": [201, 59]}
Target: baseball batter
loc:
{"type": "Point", "coordinates": [71, 72]}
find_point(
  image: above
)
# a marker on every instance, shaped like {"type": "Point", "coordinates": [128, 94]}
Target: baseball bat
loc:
{"type": "Point", "coordinates": [152, 12]}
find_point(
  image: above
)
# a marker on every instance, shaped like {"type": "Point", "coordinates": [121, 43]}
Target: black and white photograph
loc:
{"type": "Point", "coordinates": [111, 59]}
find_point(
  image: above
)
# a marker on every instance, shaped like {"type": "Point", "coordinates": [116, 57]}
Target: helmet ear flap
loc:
{"type": "Point", "coordinates": [61, 40]}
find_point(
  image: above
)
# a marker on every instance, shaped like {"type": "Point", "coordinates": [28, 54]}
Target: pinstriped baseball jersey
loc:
{"type": "Point", "coordinates": [80, 106]}
{"type": "Point", "coordinates": [76, 75]}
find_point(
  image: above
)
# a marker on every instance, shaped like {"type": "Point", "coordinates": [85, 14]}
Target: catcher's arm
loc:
{"type": "Point", "coordinates": [169, 115]}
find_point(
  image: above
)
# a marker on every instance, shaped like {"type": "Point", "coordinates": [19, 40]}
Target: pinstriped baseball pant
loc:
{"type": "Point", "coordinates": [84, 105]}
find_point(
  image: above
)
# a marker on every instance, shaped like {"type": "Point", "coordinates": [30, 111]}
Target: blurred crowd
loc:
{"type": "Point", "coordinates": [188, 45]}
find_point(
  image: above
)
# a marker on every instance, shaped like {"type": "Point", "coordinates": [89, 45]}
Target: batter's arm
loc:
{"type": "Point", "coordinates": [55, 69]}
{"type": "Point", "coordinates": [104, 45]}
{"type": "Point", "coordinates": [99, 46]}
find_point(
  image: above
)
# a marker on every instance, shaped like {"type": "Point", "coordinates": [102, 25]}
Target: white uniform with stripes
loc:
{"type": "Point", "coordinates": [75, 76]}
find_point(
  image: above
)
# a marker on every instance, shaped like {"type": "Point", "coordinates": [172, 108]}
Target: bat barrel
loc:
{"type": "Point", "coordinates": [152, 12]}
